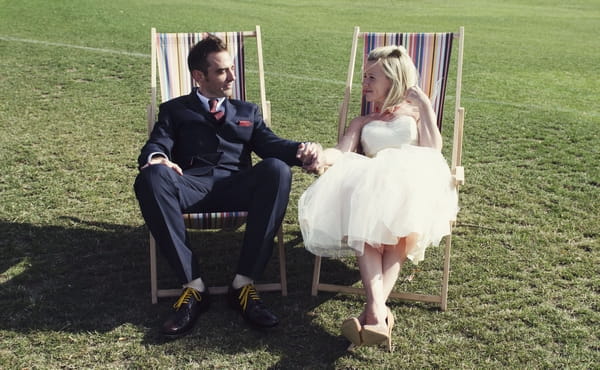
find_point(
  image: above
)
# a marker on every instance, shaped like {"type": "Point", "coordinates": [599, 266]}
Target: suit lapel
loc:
{"type": "Point", "coordinates": [230, 111]}
{"type": "Point", "coordinates": [194, 103]}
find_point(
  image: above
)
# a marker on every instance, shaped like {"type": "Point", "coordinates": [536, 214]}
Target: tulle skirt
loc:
{"type": "Point", "coordinates": [379, 200]}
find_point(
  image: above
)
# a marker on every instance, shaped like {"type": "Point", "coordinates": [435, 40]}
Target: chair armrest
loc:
{"type": "Point", "coordinates": [459, 175]}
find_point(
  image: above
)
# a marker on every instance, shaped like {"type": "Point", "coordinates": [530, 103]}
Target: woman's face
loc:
{"type": "Point", "coordinates": [376, 85]}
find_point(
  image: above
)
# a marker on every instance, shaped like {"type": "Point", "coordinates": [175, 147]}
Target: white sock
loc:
{"type": "Point", "coordinates": [197, 284]}
{"type": "Point", "coordinates": [241, 280]}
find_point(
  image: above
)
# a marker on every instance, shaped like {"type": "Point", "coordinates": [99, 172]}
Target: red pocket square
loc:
{"type": "Point", "coordinates": [245, 123]}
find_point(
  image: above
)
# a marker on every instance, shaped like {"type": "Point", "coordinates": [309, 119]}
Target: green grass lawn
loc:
{"type": "Point", "coordinates": [74, 275]}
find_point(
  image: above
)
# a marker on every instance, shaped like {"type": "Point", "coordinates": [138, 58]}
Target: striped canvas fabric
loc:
{"type": "Point", "coordinates": [172, 52]}
{"type": "Point", "coordinates": [215, 220]}
{"type": "Point", "coordinates": [431, 54]}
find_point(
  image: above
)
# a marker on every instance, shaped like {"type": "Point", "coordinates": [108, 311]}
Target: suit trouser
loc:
{"type": "Point", "coordinates": [262, 190]}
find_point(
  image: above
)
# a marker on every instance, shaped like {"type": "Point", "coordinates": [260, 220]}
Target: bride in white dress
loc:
{"type": "Point", "coordinates": [389, 204]}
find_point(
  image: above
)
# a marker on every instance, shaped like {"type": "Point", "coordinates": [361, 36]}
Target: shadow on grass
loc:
{"type": "Point", "coordinates": [94, 277]}
{"type": "Point", "coordinates": [299, 340]}
{"type": "Point", "coordinates": [83, 276]}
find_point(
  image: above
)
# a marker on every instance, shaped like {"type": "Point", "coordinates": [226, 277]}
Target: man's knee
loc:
{"type": "Point", "coordinates": [275, 168]}
{"type": "Point", "coordinates": [153, 178]}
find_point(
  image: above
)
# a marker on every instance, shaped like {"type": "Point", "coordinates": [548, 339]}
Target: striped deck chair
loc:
{"type": "Point", "coordinates": [169, 59]}
{"type": "Point", "coordinates": [431, 54]}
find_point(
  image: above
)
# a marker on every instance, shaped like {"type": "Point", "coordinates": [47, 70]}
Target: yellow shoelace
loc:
{"type": "Point", "coordinates": [185, 297]}
{"type": "Point", "coordinates": [248, 291]}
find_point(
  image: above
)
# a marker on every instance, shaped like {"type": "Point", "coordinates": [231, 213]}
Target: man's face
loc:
{"type": "Point", "coordinates": [218, 80]}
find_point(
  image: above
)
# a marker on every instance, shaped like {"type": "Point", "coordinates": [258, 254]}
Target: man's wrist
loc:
{"type": "Point", "coordinates": [155, 154]}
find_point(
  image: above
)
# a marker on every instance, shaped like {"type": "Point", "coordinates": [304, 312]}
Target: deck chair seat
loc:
{"type": "Point", "coordinates": [169, 59]}
{"type": "Point", "coordinates": [431, 54]}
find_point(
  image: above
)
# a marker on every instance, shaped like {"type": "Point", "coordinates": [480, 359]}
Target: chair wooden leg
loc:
{"type": "Point", "coordinates": [153, 275]}
{"type": "Point", "coordinates": [282, 266]}
{"type": "Point", "coordinates": [446, 273]}
{"type": "Point", "coordinates": [316, 276]}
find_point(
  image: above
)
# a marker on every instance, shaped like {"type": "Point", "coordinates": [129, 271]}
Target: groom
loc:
{"type": "Point", "coordinates": [198, 159]}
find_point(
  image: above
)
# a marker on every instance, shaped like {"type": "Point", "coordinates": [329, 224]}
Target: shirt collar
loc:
{"type": "Point", "coordinates": [204, 101]}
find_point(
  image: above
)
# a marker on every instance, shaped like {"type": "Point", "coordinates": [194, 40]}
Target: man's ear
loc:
{"type": "Point", "coordinates": [198, 76]}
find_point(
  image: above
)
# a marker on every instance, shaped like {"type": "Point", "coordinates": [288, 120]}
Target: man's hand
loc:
{"type": "Point", "coordinates": [310, 154]}
{"type": "Point", "coordinates": [159, 159]}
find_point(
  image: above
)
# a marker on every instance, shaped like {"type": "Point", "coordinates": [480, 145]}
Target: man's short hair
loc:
{"type": "Point", "coordinates": [197, 58]}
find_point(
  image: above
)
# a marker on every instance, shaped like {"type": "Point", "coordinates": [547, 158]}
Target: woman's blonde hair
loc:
{"type": "Point", "coordinates": [399, 68]}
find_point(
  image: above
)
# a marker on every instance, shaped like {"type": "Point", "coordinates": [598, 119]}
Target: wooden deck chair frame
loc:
{"type": "Point", "coordinates": [169, 57]}
{"type": "Point", "coordinates": [419, 46]}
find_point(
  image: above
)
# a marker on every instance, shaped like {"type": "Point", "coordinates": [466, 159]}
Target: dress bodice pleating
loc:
{"type": "Point", "coordinates": [377, 135]}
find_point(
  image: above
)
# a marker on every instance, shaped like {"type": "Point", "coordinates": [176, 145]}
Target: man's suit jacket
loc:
{"type": "Point", "coordinates": [192, 138]}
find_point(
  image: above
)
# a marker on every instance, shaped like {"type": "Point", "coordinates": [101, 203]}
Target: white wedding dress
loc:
{"type": "Point", "coordinates": [395, 189]}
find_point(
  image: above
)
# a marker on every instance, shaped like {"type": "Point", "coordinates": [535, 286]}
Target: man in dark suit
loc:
{"type": "Point", "coordinates": [198, 159]}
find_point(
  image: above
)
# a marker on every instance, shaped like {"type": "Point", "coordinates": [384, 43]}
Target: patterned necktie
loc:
{"type": "Point", "coordinates": [212, 103]}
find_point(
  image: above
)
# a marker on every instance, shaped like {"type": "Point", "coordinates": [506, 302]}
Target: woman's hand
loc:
{"type": "Point", "coordinates": [310, 154]}
{"type": "Point", "coordinates": [415, 95]}
{"type": "Point", "coordinates": [429, 134]}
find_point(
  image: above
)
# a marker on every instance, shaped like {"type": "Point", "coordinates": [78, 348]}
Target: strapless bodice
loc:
{"type": "Point", "coordinates": [378, 135]}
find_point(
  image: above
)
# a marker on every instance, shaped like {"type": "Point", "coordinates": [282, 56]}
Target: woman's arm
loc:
{"type": "Point", "coordinates": [429, 134]}
{"type": "Point", "coordinates": [348, 143]}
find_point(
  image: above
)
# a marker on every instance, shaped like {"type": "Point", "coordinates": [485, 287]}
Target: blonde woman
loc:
{"type": "Point", "coordinates": [391, 201]}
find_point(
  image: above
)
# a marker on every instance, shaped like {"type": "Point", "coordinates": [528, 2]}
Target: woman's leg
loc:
{"type": "Point", "coordinates": [370, 265]}
{"type": "Point", "coordinates": [378, 289]}
{"type": "Point", "coordinates": [393, 259]}
{"type": "Point", "coordinates": [391, 265]}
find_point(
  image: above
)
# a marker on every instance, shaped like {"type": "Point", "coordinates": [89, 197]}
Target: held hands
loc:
{"type": "Point", "coordinates": [162, 160]}
{"type": "Point", "coordinates": [310, 154]}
